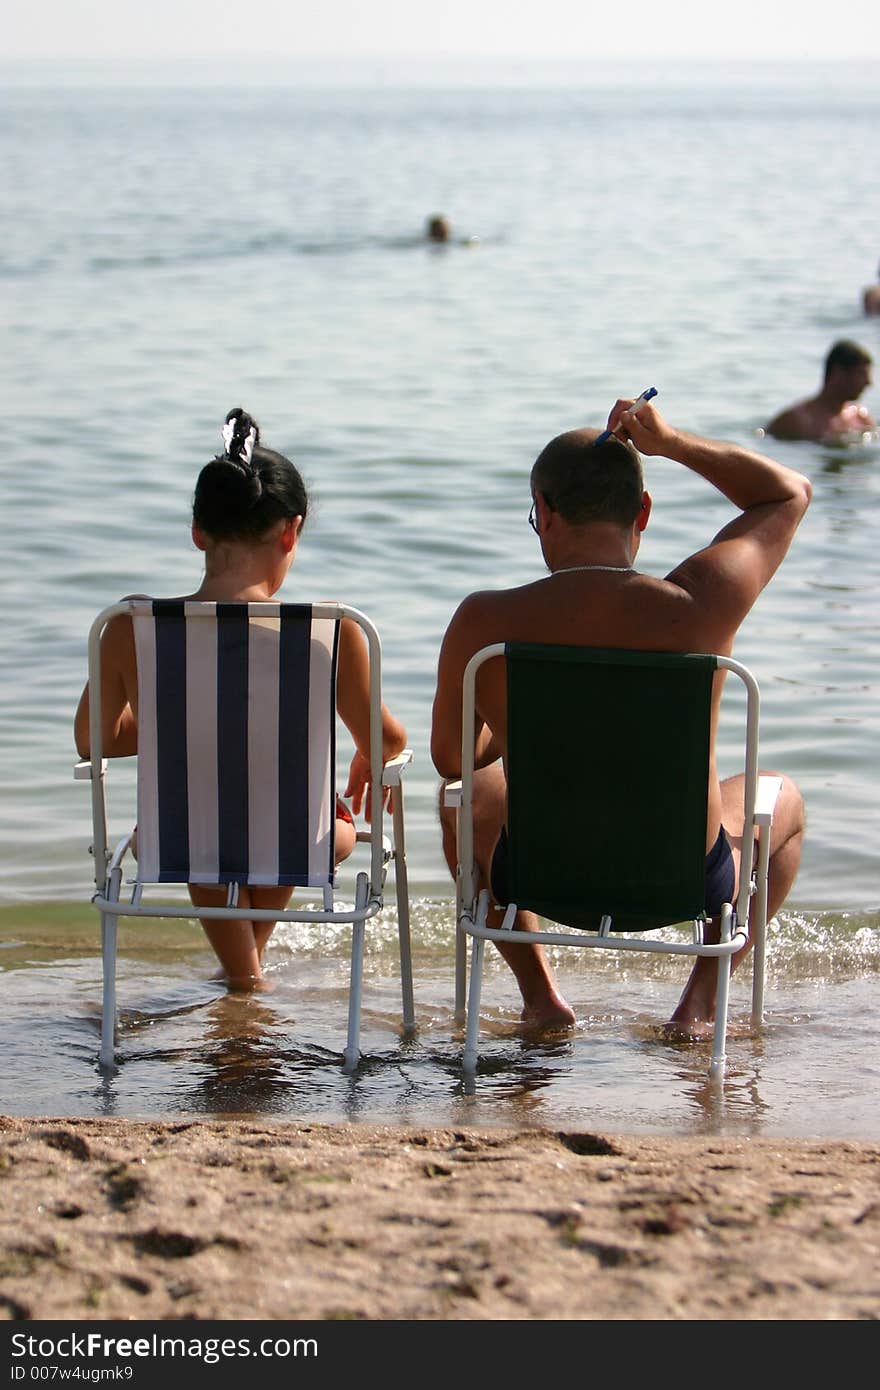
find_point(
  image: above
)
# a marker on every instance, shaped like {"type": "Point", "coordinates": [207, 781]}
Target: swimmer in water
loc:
{"type": "Point", "coordinates": [833, 414]}
{"type": "Point", "coordinates": [871, 297]}
{"type": "Point", "coordinates": [437, 228]}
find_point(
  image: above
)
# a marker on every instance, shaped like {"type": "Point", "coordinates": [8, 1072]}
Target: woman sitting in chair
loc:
{"type": "Point", "coordinates": [249, 507]}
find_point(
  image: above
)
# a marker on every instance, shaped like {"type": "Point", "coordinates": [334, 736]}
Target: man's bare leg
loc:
{"type": "Point", "coordinates": [543, 1005]}
{"type": "Point", "coordinates": [695, 1011]}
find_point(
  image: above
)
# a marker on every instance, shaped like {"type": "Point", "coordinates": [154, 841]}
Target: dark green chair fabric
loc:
{"type": "Point", "coordinates": [608, 773]}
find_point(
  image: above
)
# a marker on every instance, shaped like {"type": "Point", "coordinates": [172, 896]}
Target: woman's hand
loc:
{"type": "Point", "coordinates": [359, 789]}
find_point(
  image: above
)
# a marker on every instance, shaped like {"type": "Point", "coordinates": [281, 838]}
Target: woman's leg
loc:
{"type": "Point", "coordinates": [239, 944]}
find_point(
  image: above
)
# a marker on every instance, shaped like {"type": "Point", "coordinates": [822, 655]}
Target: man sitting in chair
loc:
{"type": "Point", "coordinates": [589, 509]}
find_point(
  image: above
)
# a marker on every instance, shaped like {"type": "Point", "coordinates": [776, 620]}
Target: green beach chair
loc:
{"type": "Point", "coordinates": [608, 766]}
{"type": "Point", "coordinates": [236, 777]}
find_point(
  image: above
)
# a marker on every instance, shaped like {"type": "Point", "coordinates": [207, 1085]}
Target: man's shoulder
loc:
{"type": "Point", "coordinates": [493, 615]}
{"type": "Point", "coordinates": [491, 602]}
{"type": "Point", "coordinates": [795, 422]}
{"type": "Point", "coordinates": [871, 299]}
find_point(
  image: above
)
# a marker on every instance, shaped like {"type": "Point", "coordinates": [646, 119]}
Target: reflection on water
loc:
{"type": "Point", "coordinates": [850, 454]}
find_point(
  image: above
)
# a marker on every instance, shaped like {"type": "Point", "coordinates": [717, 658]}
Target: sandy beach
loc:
{"type": "Point", "coordinates": [109, 1219]}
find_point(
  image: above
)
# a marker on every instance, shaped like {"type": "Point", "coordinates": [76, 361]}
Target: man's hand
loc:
{"type": "Point", "coordinates": [647, 429]}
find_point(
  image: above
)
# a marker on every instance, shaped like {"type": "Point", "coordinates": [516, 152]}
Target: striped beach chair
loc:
{"type": "Point", "coordinates": [236, 776]}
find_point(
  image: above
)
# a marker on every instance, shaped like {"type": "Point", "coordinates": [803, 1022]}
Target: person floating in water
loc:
{"type": "Point", "coordinates": [437, 228]}
{"type": "Point", "coordinates": [871, 297]}
{"type": "Point", "coordinates": [833, 413]}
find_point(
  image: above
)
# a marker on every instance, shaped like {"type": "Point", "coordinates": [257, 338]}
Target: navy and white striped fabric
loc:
{"type": "Point", "coordinates": [236, 743]}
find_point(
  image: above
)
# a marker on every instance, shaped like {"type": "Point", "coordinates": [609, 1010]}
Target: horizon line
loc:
{"type": "Point", "coordinates": [142, 59]}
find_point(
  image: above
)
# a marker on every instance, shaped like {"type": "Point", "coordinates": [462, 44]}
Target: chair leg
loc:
{"type": "Point", "coordinates": [353, 1043]}
{"type": "Point", "coordinates": [469, 1061]}
{"type": "Point", "coordinates": [352, 1053]}
{"type": "Point", "coordinates": [401, 885]}
{"type": "Point", "coordinates": [758, 927]}
{"type": "Point", "coordinates": [719, 1038]}
{"type": "Point", "coordinates": [460, 973]}
{"type": "Point", "coordinates": [106, 1056]}
{"type": "Point", "coordinates": [722, 994]}
{"type": "Point", "coordinates": [460, 939]}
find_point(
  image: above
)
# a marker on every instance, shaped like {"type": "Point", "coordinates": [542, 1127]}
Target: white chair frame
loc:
{"type": "Point", "coordinates": [369, 891]}
{"type": "Point", "coordinates": [747, 917]}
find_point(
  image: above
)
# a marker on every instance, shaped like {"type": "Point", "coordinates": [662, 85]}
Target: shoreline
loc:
{"type": "Point", "coordinates": [131, 1219]}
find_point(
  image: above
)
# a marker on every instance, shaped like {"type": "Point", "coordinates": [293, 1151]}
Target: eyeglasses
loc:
{"type": "Point", "coordinates": [533, 511]}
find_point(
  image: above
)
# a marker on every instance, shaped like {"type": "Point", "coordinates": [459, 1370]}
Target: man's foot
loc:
{"type": "Point", "coordinates": [679, 1030]}
{"type": "Point", "coordinates": [694, 1015]}
{"type": "Point", "coordinates": [549, 1012]}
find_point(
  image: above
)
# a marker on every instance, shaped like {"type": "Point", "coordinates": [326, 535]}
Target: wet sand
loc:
{"type": "Point", "coordinates": [237, 1220]}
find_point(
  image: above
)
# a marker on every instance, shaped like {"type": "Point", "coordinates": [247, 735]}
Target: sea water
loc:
{"type": "Point", "coordinates": [169, 252]}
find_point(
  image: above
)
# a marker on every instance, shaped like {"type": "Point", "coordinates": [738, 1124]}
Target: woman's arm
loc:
{"type": "Point", "coordinates": [353, 703]}
{"type": "Point", "coordinates": [118, 689]}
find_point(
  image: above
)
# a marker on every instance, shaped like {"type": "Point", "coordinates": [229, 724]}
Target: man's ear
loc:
{"type": "Point", "coordinates": [200, 540]}
{"type": "Point", "coordinates": [644, 512]}
{"type": "Point", "coordinates": [544, 511]}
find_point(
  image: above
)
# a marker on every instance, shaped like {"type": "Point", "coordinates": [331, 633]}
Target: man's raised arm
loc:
{"type": "Point", "coordinates": [772, 499]}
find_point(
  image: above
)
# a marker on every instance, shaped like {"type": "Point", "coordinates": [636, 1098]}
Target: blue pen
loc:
{"type": "Point", "coordinates": [646, 395]}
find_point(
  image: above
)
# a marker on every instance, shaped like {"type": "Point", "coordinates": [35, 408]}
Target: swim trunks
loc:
{"type": "Point", "coordinates": [720, 873]}
{"type": "Point", "coordinates": [342, 811]}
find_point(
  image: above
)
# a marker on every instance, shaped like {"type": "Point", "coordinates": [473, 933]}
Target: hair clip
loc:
{"type": "Point", "coordinates": [246, 452]}
{"type": "Point", "coordinates": [227, 434]}
{"type": "Point", "coordinates": [247, 448]}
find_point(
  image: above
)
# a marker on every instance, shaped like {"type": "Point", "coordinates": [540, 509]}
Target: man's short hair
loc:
{"type": "Point", "coordinates": [846, 354]}
{"type": "Point", "coordinates": [585, 481]}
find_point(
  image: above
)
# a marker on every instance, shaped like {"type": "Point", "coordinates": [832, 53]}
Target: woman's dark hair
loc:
{"type": "Point", "coordinates": [241, 493]}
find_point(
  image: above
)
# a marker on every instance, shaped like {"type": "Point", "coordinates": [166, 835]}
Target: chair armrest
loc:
{"type": "Point", "coordinates": [395, 768]}
{"type": "Point", "coordinates": [765, 800]}
{"type": "Point", "coordinates": [82, 772]}
{"type": "Point", "coordinates": [452, 794]}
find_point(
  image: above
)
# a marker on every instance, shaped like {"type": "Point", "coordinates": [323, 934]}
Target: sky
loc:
{"type": "Point", "coordinates": [90, 30]}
